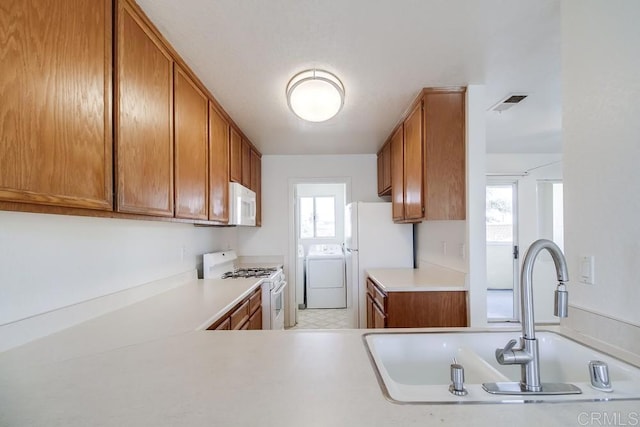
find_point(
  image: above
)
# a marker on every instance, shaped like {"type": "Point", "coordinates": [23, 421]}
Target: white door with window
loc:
{"type": "Point", "coordinates": [502, 251]}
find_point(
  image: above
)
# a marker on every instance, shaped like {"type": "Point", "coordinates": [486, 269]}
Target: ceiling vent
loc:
{"type": "Point", "coordinates": [508, 102]}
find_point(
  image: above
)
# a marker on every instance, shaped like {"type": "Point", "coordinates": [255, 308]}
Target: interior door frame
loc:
{"type": "Point", "coordinates": [291, 305]}
{"type": "Point", "coordinates": [513, 182]}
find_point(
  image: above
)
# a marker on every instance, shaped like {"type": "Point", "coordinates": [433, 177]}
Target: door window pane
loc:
{"type": "Point", "coordinates": [499, 214]}
{"type": "Point", "coordinates": [306, 218]}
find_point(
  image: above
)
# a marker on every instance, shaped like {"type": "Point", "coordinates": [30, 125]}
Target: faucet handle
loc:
{"type": "Point", "coordinates": [512, 343]}
{"type": "Point", "coordinates": [500, 352]}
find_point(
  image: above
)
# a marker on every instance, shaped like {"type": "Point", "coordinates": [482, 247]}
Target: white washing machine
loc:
{"type": "Point", "coordinates": [326, 284]}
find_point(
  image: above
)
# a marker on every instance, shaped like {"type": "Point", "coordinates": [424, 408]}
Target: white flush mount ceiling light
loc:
{"type": "Point", "coordinates": [315, 95]}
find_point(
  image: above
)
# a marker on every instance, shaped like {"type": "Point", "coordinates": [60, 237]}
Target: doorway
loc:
{"type": "Point", "coordinates": [320, 279]}
{"type": "Point", "coordinates": [502, 251]}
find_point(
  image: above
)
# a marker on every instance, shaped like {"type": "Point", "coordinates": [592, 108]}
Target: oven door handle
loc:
{"type": "Point", "coordinates": [279, 289]}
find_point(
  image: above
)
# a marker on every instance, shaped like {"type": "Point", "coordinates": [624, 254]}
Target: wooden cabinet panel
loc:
{"type": "Point", "coordinates": [379, 318]}
{"type": "Point", "coordinates": [384, 170]}
{"type": "Point", "coordinates": [255, 321]}
{"type": "Point", "coordinates": [415, 309]}
{"type": "Point", "coordinates": [246, 164]}
{"type": "Point", "coordinates": [240, 316]}
{"type": "Point", "coordinates": [55, 108]}
{"type": "Point", "coordinates": [413, 201]}
{"type": "Point", "coordinates": [224, 326]}
{"type": "Point", "coordinates": [255, 301]}
{"type": "Point", "coordinates": [235, 157]}
{"type": "Point", "coordinates": [380, 185]}
{"type": "Point", "coordinates": [256, 183]}
{"type": "Point", "coordinates": [427, 309]}
{"type": "Point", "coordinates": [397, 174]}
{"type": "Point", "coordinates": [370, 319]}
{"type": "Point", "coordinates": [144, 118]}
{"type": "Point", "coordinates": [191, 162]}
{"type": "Point", "coordinates": [218, 166]}
{"type": "Point", "coordinates": [444, 166]}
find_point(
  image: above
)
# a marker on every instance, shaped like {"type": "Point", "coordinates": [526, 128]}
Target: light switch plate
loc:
{"type": "Point", "coordinates": [587, 267]}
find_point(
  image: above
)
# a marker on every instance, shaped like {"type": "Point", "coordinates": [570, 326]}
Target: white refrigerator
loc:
{"type": "Point", "coordinates": [372, 240]}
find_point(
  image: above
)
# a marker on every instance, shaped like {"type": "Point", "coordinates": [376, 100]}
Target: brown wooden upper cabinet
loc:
{"type": "Point", "coordinates": [428, 164]}
{"type": "Point", "coordinates": [413, 158]}
{"type": "Point", "coordinates": [218, 166]}
{"type": "Point", "coordinates": [55, 109]}
{"type": "Point", "coordinates": [256, 183]}
{"type": "Point", "coordinates": [246, 164]}
{"type": "Point", "coordinates": [384, 170]}
{"type": "Point", "coordinates": [235, 157]}
{"type": "Point", "coordinates": [397, 174]}
{"type": "Point", "coordinates": [445, 158]}
{"type": "Point", "coordinates": [191, 146]}
{"type": "Point", "coordinates": [144, 118]}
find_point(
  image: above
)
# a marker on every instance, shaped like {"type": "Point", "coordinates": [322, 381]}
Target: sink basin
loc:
{"type": "Point", "coordinates": [415, 367]}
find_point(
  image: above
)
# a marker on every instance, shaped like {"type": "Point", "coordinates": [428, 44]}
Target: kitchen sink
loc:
{"type": "Point", "coordinates": [415, 367]}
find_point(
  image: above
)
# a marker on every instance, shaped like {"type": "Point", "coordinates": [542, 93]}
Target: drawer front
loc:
{"type": "Point", "coordinates": [224, 326]}
{"type": "Point", "coordinates": [240, 316]}
{"type": "Point", "coordinates": [370, 288]}
{"type": "Point", "coordinates": [380, 298]}
{"type": "Point", "coordinates": [255, 301]}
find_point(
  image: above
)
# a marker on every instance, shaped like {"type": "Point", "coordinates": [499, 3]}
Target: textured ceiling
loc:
{"type": "Point", "coordinates": [384, 51]}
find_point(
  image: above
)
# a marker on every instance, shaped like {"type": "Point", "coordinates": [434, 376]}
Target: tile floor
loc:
{"type": "Point", "coordinates": [323, 318]}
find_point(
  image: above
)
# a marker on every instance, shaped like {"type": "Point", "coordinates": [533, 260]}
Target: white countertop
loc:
{"type": "Point", "coordinates": [146, 365]}
{"type": "Point", "coordinates": [431, 278]}
{"type": "Point", "coordinates": [186, 308]}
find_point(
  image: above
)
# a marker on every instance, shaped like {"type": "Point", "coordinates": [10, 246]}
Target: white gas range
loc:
{"type": "Point", "coordinates": [223, 265]}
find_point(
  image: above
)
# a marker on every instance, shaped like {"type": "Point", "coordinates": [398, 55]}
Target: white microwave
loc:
{"type": "Point", "coordinates": [242, 205]}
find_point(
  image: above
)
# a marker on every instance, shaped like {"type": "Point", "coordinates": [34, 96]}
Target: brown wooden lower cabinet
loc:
{"type": "Point", "coordinates": [425, 309]}
{"type": "Point", "coordinates": [247, 314]}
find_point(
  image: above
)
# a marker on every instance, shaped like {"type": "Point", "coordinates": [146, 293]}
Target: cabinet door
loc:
{"type": "Point", "coordinates": [379, 317]}
{"type": "Point", "coordinates": [380, 172]}
{"type": "Point", "coordinates": [55, 103]}
{"type": "Point", "coordinates": [218, 166]}
{"type": "Point", "coordinates": [444, 170]}
{"type": "Point", "coordinates": [413, 201]}
{"type": "Point", "coordinates": [144, 118]}
{"type": "Point", "coordinates": [235, 157]}
{"type": "Point", "coordinates": [246, 164]}
{"type": "Point", "coordinates": [255, 321]}
{"type": "Point", "coordinates": [397, 174]}
{"type": "Point", "coordinates": [256, 183]}
{"type": "Point", "coordinates": [386, 168]}
{"type": "Point", "coordinates": [191, 163]}
{"type": "Point", "coordinates": [224, 326]}
{"type": "Point", "coordinates": [370, 312]}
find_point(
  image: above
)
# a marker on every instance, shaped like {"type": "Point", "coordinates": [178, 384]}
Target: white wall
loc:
{"type": "Point", "coordinates": [601, 132]}
{"type": "Point", "coordinates": [52, 261]}
{"type": "Point", "coordinates": [279, 175]}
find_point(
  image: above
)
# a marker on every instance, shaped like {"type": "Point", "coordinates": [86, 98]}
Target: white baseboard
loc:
{"type": "Point", "coordinates": [23, 331]}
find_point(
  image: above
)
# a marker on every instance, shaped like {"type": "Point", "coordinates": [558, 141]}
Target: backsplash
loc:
{"type": "Point", "coordinates": [603, 328]}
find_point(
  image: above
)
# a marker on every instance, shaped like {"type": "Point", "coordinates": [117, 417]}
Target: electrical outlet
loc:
{"type": "Point", "coordinates": [444, 247]}
{"type": "Point", "coordinates": [463, 251]}
{"type": "Point", "coordinates": [183, 252]}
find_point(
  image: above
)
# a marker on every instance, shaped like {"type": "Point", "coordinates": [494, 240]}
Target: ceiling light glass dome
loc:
{"type": "Point", "coordinates": [315, 95]}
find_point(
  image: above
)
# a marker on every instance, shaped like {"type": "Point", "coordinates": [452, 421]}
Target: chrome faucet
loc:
{"type": "Point", "coordinates": [526, 355]}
